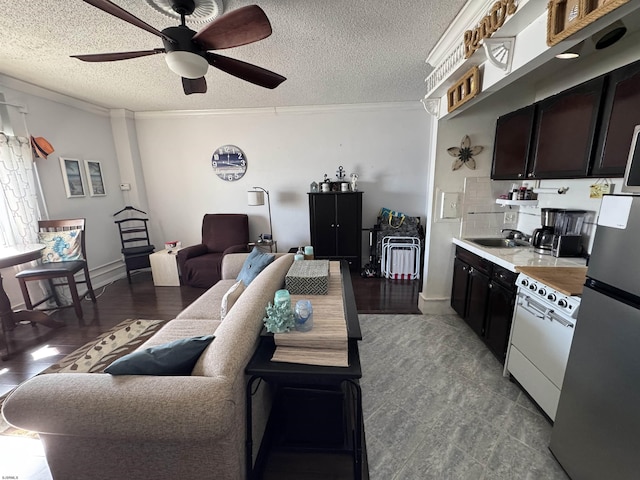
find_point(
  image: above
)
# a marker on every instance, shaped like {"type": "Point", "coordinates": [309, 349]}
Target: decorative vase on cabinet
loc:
{"type": "Point", "coordinates": [335, 219]}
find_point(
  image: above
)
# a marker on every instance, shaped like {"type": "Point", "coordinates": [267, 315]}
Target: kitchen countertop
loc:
{"type": "Point", "coordinates": [512, 258]}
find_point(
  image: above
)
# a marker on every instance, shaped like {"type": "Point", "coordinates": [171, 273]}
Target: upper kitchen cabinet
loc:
{"type": "Point", "coordinates": [621, 113]}
{"type": "Point", "coordinates": [512, 144]}
{"type": "Point", "coordinates": [565, 132]}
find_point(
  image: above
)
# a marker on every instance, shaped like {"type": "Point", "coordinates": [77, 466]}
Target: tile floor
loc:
{"type": "Point", "coordinates": [436, 407]}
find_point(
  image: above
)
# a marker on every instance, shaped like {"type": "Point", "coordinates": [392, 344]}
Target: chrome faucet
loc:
{"type": "Point", "coordinates": [516, 234]}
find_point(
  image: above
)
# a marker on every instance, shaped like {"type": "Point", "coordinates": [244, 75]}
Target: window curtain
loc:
{"type": "Point", "coordinates": [19, 211]}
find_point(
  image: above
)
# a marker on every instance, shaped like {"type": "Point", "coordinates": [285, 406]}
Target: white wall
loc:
{"type": "Point", "coordinates": [286, 150]}
{"type": "Point", "coordinates": [81, 131]}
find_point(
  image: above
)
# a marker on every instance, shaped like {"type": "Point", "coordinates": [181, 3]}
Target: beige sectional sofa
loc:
{"type": "Point", "coordinates": [101, 426]}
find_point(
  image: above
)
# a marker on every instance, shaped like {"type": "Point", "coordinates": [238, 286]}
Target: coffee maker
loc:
{"type": "Point", "coordinates": [567, 238]}
{"type": "Point", "coordinates": [542, 238]}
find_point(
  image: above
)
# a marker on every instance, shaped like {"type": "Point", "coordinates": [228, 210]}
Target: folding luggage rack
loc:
{"type": "Point", "coordinates": [400, 258]}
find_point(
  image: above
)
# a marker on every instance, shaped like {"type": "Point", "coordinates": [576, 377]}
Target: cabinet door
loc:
{"type": "Point", "coordinates": [459, 287]}
{"type": "Point", "coordinates": [323, 224]}
{"type": "Point", "coordinates": [348, 224]}
{"type": "Point", "coordinates": [565, 131]}
{"type": "Point", "coordinates": [499, 315]}
{"type": "Point", "coordinates": [514, 132]}
{"type": "Point", "coordinates": [621, 113]}
{"type": "Point", "coordinates": [477, 300]}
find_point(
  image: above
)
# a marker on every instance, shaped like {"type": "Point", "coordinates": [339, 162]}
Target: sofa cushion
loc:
{"type": "Point", "coordinates": [61, 246]}
{"type": "Point", "coordinates": [253, 265]}
{"type": "Point", "coordinates": [173, 358]}
{"type": "Point", "coordinates": [230, 298]}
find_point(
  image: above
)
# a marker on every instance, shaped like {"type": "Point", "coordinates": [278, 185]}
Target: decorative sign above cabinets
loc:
{"type": "Point", "coordinates": [488, 25]}
{"type": "Point", "coordinates": [464, 89]}
{"type": "Point", "coordinates": [566, 17]}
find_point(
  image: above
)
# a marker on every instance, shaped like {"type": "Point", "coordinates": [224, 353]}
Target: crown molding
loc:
{"type": "Point", "coordinates": [305, 110]}
{"type": "Point", "coordinates": [31, 89]}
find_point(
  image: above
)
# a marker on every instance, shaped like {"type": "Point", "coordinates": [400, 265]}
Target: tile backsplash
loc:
{"type": "Point", "coordinates": [481, 216]}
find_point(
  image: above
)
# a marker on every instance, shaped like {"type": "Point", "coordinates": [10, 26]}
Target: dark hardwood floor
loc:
{"type": "Point", "coordinates": [116, 302]}
{"type": "Point", "coordinates": [386, 296]}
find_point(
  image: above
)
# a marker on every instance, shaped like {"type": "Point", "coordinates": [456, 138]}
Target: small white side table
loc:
{"type": "Point", "coordinates": [270, 245]}
{"type": "Point", "coordinates": [164, 268]}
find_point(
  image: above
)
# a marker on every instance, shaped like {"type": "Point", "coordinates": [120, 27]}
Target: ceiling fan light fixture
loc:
{"type": "Point", "coordinates": [187, 64]}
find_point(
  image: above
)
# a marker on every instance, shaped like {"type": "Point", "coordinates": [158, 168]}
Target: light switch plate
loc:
{"type": "Point", "coordinates": [449, 205]}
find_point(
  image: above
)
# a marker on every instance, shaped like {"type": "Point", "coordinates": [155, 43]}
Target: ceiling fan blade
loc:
{"type": "Point", "coordinates": [245, 71]}
{"type": "Point", "coordinates": [238, 27]}
{"type": "Point", "coordinates": [122, 14]}
{"type": "Point", "coordinates": [194, 85]}
{"type": "Point", "coordinates": [111, 57]}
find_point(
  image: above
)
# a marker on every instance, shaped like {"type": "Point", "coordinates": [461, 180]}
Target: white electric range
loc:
{"type": "Point", "coordinates": [544, 319]}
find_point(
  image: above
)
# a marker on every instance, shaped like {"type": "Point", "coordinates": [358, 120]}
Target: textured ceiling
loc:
{"type": "Point", "coordinates": [331, 51]}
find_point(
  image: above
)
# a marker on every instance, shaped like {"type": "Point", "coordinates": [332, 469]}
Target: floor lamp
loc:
{"type": "Point", "coordinates": [256, 198]}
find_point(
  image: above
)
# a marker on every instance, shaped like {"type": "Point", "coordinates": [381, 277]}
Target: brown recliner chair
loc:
{"type": "Point", "coordinates": [200, 265]}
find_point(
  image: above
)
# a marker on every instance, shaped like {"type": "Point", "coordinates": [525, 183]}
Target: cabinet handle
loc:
{"type": "Point", "coordinates": [520, 175]}
{"type": "Point", "coordinates": [470, 269]}
{"type": "Point", "coordinates": [332, 225]}
{"type": "Point", "coordinates": [531, 175]}
{"type": "Point", "coordinates": [491, 285]}
{"type": "Point", "coordinates": [464, 269]}
{"type": "Point", "coordinates": [338, 225]}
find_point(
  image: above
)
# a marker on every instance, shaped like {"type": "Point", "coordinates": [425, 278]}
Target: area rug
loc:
{"type": "Point", "coordinates": [95, 356]}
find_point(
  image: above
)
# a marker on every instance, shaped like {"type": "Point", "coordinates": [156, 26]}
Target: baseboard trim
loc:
{"type": "Point", "coordinates": [434, 306]}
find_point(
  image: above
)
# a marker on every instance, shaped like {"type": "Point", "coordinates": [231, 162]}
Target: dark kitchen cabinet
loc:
{"type": "Point", "coordinates": [565, 132]}
{"type": "Point", "coordinates": [335, 219]}
{"type": "Point", "coordinates": [470, 288]}
{"type": "Point", "coordinates": [512, 144]}
{"type": "Point", "coordinates": [483, 294]}
{"type": "Point", "coordinates": [500, 304]}
{"type": "Point", "coordinates": [620, 114]}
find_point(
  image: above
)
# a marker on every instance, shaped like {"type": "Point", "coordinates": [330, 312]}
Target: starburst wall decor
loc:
{"type": "Point", "coordinates": [464, 154]}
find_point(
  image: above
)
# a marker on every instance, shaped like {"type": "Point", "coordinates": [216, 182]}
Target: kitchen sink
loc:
{"type": "Point", "coordinates": [499, 242]}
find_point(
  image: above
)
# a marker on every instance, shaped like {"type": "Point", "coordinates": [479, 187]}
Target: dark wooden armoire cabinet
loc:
{"type": "Point", "coordinates": [335, 219]}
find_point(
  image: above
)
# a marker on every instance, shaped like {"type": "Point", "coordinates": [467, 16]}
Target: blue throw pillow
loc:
{"type": "Point", "coordinates": [253, 265]}
{"type": "Point", "coordinates": [173, 358]}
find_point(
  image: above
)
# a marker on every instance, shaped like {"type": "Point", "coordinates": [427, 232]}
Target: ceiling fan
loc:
{"type": "Point", "coordinates": [187, 51]}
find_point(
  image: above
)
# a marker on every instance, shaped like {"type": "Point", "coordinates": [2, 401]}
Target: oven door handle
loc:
{"type": "Point", "coordinates": [535, 308]}
{"type": "Point", "coordinates": [554, 316]}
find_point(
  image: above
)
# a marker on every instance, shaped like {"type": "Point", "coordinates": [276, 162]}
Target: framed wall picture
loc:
{"type": "Point", "coordinates": [72, 177]}
{"type": "Point", "coordinates": [94, 178]}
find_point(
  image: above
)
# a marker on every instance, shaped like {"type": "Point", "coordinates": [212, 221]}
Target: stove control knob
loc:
{"type": "Point", "coordinates": [524, 282]}
{"type": "Point", "coordinates": [542, 292]}
{"type": "Point", "coordinates": [533, 286]}
{"type": "Point", "coordinates": [562, 303]}
{"type": "Point", "coordinates": [552, 297]}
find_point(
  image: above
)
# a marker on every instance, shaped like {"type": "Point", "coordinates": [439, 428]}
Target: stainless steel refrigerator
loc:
{"type": "Point", "coordinates": [596, 434]}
